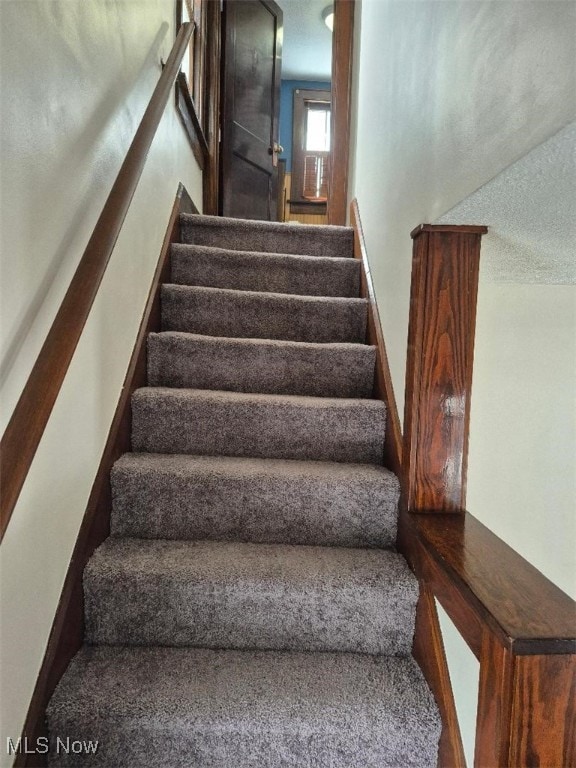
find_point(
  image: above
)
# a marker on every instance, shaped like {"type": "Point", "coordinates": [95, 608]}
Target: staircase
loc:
{"type": "Point", "coordinates": [248, 609]}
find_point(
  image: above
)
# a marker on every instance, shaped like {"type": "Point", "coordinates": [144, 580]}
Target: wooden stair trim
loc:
{"type": "Point", "coordinates": [67, 633]}
{"type": "Point", "coordinates": [428, 648]}
{"type": "Point", "coordinates": [383, 387]}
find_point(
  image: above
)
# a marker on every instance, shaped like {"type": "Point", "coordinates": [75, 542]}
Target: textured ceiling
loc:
{"type": "Point", "coordinates": [530, 209]}
{"type": "Point", "coordinates": [307, 46]}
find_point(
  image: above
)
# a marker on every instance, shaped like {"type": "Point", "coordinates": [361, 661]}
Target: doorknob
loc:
{"type": "Point", "coordinates": [275, 150]}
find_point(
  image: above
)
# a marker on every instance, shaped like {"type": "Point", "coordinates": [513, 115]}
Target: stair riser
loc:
{"type": "Point", "coordinates": [169, 598]}
{"type": "Point", "coordinates": [197, 708]}
{"type": "Point", "coordinates": [179, 360]}
{"type": "Point", "coordinates": [170, 421]}
{"type": "Point", "coordinates": [197, 265]}
{"type": "Point", "coordinates": [205, 747]}
{"type": "Point", "coordinates": [204, 618]}
{"type": "Point", "coordinates": [239, 314]}
{"type": "Point", "coordinates": [241, 235]}
{"type": "Point", "coordinates": [356, 509]}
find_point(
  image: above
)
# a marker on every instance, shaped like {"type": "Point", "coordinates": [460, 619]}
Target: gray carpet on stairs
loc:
{"type": "Point", "coordinates": [200, 593]}
{"type": "Point", "coordinates": [204, 422]}
{"type": "Point", "coordinates": [199, 708]}
{"type": "Point", "coordinates": [249, 314]}
{"type": "Point", "coordinates": [267, 236]}
{"type": "Point", "coordinates": [260, 365]}
{"type": "Point", "coordinates": [249, 609]}
{"type": "Point", "coordinates": [272, 273]}
{"type": "Point", "coordinates": [244, 499]}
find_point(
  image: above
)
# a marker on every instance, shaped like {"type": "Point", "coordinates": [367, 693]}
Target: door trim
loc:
{"type": "Point", "coordinates": [342, 59]}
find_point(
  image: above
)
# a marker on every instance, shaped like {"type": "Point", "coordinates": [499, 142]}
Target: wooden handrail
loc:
{"type": "Point", "coordinates": [24, 431]}
{"type": "Point", "coordinates": [519, 625]}
{"type": "Point", "coordinates": [492, 586]}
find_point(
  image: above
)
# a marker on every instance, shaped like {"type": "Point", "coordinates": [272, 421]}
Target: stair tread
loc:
{"type": "Point", "coordinates": [259, 271]}
{"type": "Point", "coordinates": [263, 399]}
{"type": "Point", "coordinates": [256, 314]}
{"type": "Point", "coordinates": [229, 562]}
{"type": "Point", "coordinates": [244, 595]}
{"type": "Point", "coordinates": [182, 464]}
{"type": "Point", "coordinates": [213, 422]}
{"type": "Point", "coordinates": [247, 709]}
{"type": "Point", "coordinates": [268, 236]}
{"type": "Point", "coordinates": [270, 296]}
{"type": "Point", "coordinates": [346, 346]}
{"type": "Point", "coordinates": [269, 366]}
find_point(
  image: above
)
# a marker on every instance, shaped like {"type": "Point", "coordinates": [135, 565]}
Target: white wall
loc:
{"type": "Point", "coordinates": [76, 77]}
{"type": "Point", "coordinates": [450, 94]}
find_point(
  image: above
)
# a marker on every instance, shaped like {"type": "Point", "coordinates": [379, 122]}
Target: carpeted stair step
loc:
{"type": "Point", "coordinates": [257, 500]}
{"type": "Point", "coordinates": [272, 273]}
{"type": "Point", "coordinates": [260, 365]}
{"type": "Point", "coordinates": [200, 708]}
{"type": "Point", "coordinates": [250, 314]}
{"type": "Point", "coordinates": [216, 594]}
{"type": "Point", "coordinates": [267, 236]}
{"type": "Point", "coordinates": [205, 422]}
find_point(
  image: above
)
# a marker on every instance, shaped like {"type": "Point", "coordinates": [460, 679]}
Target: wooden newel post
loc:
{"type": "Point", "coordinates": [439, 365]}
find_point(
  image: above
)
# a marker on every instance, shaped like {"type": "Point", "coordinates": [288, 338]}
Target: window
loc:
{"type": "Point", "coordinates": [191, 82]}
{"type": "Point", "coordinates": [310, 151]}
{"type": "Point", "coordinates": [193, 64]}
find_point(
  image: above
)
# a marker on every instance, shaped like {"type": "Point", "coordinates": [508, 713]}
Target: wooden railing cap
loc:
{"type": "Point", "coordinates": [465, 228]}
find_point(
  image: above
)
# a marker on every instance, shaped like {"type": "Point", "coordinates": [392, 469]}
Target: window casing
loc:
{"type": "Point", "coordinates": [310, 151]}
{"type": "Point", "coordinates": [191, 91]}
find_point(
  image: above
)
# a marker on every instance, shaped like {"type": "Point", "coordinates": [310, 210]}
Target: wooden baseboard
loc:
{"type": "Point", "coordinates": [67, 631]}
{"type": "Point", "coordinates": [383, 388]}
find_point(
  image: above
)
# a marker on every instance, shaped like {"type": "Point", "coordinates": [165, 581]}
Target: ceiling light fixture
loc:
{"type": "Point", "coordinates": [328, 17]}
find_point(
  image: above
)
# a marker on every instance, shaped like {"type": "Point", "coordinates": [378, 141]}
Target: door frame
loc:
{"type": "Point", "coordinates": [342, 61]}
{"type": "Point", "coordinates": [342, 51]}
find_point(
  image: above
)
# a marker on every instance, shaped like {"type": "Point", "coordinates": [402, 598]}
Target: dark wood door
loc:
{"type": "Point", "coordinates": [250, 107]}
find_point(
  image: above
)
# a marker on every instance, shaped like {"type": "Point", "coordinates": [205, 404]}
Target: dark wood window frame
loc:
{"type": "Point", "coordinates": [299, 204]}
{"type": "Point", "coordinates": [192, 98]}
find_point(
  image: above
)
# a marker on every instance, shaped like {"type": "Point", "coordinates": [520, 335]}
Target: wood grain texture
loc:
{"type": "Point", "coordinates": [383, 388]}
{"type": "Point", "coordinates": [67, 631]}
{"type": "Point", "coordinates": [544, 711]}
{"type": "Point", "coordinates": [439, 366]}
{"type": "Point", "coordinates": [526, 709]}
{"type": "Point", "coordinates": [528, 613]}
{"type": "Point", "coordinates": [428, 650]}
{"type": "Point", "coordinates": [494, 715]}
{"type": "Point", "coordinates": [342, 44]}
{"type": "Point", "coordinates": [455, 601]}
{"type": "Point", "coordinates": [22, 436]}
